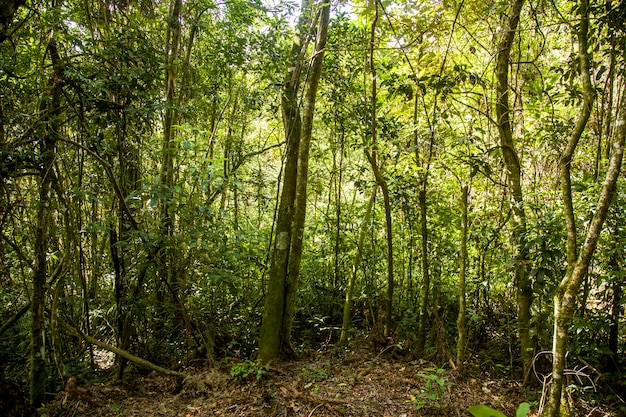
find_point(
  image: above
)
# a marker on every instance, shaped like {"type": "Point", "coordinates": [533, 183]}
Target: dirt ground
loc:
{"type": "Point", "coordinates": [353, 383]}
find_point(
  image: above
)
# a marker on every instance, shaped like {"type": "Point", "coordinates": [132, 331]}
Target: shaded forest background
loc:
{"type": "Point", "coordinates": [463, 191]}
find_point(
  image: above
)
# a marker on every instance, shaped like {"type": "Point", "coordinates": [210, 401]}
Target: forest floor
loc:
{"type": "Point", "coordinates": [353, 383]}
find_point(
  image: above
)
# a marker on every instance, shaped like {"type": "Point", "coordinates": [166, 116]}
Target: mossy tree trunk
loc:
{"type": "Point", "coordinates": [521, 278]}
{"type": "Point", "coordinates": [280, 297]}
{"type": "Point", "coordinates": [579, 259]}
{"type": "Point", "coordinates": [299, 215]}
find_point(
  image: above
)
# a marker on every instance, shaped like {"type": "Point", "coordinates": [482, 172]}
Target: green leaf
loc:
{"type": "Point", "coordinates": [522, 410]}
{"type": "Point", "coordinates": [484, 411]}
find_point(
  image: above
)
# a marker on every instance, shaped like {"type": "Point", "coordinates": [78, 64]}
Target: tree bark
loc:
{"type": "Point", "coordinates": [299, 216]}
{"type": "Point", "coordinates": [50, 106]}
{"type": "Point", "coordinates": [463, 257]}
{"type": "Point", "coordinates": [425, 287]}
{"type": "Point", "coordinates": [279, 308]}
{"type": "Point", "coordinates": [387, 301]}
{"type": "Point", "coordinates": [521, 278]}
{"type": "Point", "coordinates": [356, 264]}
{"type": "Point", "coordinates": [578, 262]}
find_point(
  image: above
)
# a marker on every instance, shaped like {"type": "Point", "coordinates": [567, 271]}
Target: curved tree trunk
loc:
{"type": "Point", "coordinates": [521, 279]}
{"type": "Point", "coordinates": [578, 263]}
{"type": "Point", "coordinates": [380, 180]}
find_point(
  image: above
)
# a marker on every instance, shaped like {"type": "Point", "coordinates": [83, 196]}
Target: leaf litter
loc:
{"type": "Point", "coordinates": [325, 384]}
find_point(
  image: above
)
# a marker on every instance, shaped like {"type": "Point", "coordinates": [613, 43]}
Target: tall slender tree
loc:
{"type": "Point", "coordinates": [372, 156]}
{"type": "Point", "coordinates": [48, 136]}
{"type": "Point", "coordinates": [579, 258]}
{"type": "Point", "coordinates": [356, 264]}
{"type": "Point", "coordinates": [521, 278]}
{"type": "Point", "coordinates": [461, 346]}
{"type": "Point", "coordinates": [280, 298]}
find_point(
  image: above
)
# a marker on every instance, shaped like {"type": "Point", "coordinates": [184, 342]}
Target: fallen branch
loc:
{"type": "Point", "coordinates": [141, 362]}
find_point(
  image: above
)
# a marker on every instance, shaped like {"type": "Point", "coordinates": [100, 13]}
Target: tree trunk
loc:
{"type": "Point", "coordinates": [521, 278]}
{"type": "Point", "coordinates": [565, 298]}
{"type": "Point", "coordinates": [387, 301]}
{"type": "Point", "coordinates": [50, 106]}
{"type": "Point", "coordinates": [270, 337]}
{"type": "Point", "coordinates": [578, 263]}
{"type": "Point", "coordinates": [425, 288]}
{"type": "Point", "coordinates": [119, 352]}
{"type": "Point", "coordinates": [461, 324]}
{"type": "Point", "coordinates": [356, 264]}
{"type": "Point", "coordinates": [295, 254]}
{"type": "Point", "coordinates": [424, 163]}
{"type": "Point", "coordinates": [170, 119]}
{"type": "Point", "coordinates": [279, 308]}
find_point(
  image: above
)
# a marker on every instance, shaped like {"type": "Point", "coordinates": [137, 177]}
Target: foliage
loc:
{"type": "Point", "coordinates": [195, 289]}
{"type": "Point", "coordinates": [484, 411]}
{"type": "Point", "coordinates": [247, 368]}
{"type": "Point", "coordinates": [435, 385]}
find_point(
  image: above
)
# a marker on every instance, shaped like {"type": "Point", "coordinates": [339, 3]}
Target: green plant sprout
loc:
{"type": "Point", "coordinates": [435, 385]}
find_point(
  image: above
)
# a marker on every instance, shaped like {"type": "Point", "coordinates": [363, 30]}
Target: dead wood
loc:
{"type": "Point", "coordinates": [139, 361]}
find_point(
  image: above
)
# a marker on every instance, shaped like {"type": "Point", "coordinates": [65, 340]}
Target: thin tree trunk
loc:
{"type": "Point", "coordinates": [422, 316]}
{"type": "Point", "coordinates": [463, 258]}
{"type": "Point", "coordinates": [119, 352]}
{"type": "Point", "coordinates": [565, 298]}
{"type": "Point", "coordinates": [128, 181]}
{"type": "Point", "coordinates": [425, 288]}
{"type": "Point", "coordinates": [522, 280]}
{"type": "Point", "coordinates": [47, 142]}
{"type": "Point", "coordinates": [356, 264]}
{"type": "Point", "coordinates": [578, 263]}
{"type": "Point", "coordinates": [387, 302]}
{"type": "Point", "coordinates": [166, 221]}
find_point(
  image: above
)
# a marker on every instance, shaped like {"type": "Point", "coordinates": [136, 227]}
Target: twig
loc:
{"type": "Point", "coordinates": [313, 410]}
